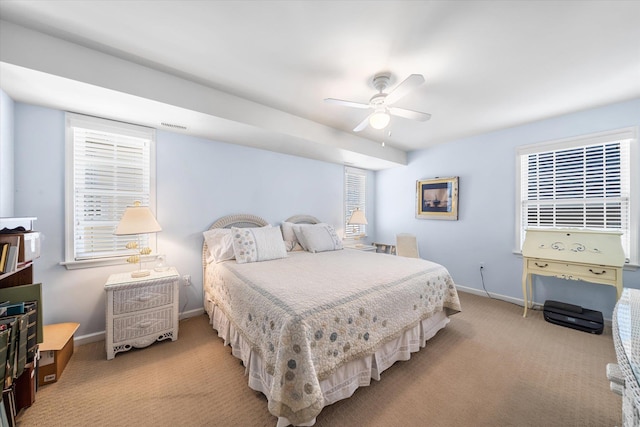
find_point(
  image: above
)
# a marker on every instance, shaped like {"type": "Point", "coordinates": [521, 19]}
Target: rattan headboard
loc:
{"type": "Point", "coordinates": [244, 221]}
{"type": "Point", "coordinates": [241, 221]}
{"type": "Point", "coordinates": [303, 219]}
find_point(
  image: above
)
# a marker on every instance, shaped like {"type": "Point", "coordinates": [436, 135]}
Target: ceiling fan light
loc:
{"type": "Point", "coordinates": [379, 120]}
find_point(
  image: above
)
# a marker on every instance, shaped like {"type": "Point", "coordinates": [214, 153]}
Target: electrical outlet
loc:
{"type": "Point", "coordinates": [186, 279]}
{"type": "Point", "coordinates": [481, 265]}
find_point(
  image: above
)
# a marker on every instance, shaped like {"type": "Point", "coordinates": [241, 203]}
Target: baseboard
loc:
{"type": "Point", "coordinates": [517, 301]}
{"type": "Point", "coordinates": [100, 336]}
{"type": "Point", "coordinates": [191, 313]}
{"type": "Point", "coordinates": [89, 338]}
{"type": "Point", "coordinates": [482, 293]}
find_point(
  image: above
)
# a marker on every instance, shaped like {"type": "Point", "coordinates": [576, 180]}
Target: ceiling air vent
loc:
{"type": "Point", "coordinates": [171, 125]}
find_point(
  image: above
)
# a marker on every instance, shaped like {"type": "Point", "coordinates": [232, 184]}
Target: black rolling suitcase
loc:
{"type": "Point", "coordinates": [573, 316]}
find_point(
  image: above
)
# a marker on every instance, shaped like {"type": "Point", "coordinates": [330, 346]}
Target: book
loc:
{"type": "Point", "coordinates": [14, 242]}
{"type": "Point", "coordinates": [12, 260]}
{"type": "Point", "coordinates": [4, 250]}
{"type": "Point", "coordinates": [13, 309]}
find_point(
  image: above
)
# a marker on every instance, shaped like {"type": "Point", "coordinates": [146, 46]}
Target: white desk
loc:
{"type": "Point", "coordinates": [591, 256]}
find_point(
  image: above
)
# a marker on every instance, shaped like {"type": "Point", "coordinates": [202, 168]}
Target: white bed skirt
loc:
{"type": "Point", "coordinates": [344, 382]}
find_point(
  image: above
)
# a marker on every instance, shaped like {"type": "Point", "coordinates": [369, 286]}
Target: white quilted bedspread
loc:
{"type": "Point", "coordinates": [309, 313]}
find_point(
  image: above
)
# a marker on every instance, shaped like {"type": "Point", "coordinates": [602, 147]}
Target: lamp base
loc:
{"type": "Point", "coordinates": [140, 273]}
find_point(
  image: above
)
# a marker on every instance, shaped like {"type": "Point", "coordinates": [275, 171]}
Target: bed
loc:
{"type": "Point", "coordinates": [312, 327]}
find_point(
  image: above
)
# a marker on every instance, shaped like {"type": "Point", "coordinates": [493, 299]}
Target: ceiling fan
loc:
{"type": "Point", "coordinates": [381, 103]}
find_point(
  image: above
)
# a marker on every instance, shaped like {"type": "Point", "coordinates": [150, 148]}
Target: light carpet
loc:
{"type": "Point", "coordinates": [488, 367]}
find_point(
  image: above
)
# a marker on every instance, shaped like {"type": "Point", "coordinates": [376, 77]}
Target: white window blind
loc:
{"type": "Point", "coordinates": [355, 187]}
{"type": "Point", "coordinates": [111, 168]}
{"type": "Point", "coordinates": [583, 183]}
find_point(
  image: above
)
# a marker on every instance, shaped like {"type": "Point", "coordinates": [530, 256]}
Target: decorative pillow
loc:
{"type": "Point", "coordinates": [257, 244]}
{"type": "Point", "coordinates": [220, 245]}
{"type": "Point", "coordinates": [320, 238]}
{"type": "Point", "coordinates": [289, 236]}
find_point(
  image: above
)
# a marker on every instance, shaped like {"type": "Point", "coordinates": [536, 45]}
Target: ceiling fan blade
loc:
{"type": "Point", "coordinates": [409, 114]}
{"type": "Point", "coordinates": [409, 84]}
{"type": "Point", "coordinates": [363, 124]}
{"type": "Point", "coordinates": [346, 103]}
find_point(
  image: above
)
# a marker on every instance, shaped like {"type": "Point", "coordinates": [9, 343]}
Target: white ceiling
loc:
{"type": "Point", "coordinates": [488, 64]}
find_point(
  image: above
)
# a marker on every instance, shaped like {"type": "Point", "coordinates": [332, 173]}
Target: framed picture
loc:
{"type": "Point", "coordinates": [437, 198]}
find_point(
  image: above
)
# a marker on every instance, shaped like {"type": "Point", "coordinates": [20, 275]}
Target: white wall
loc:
{"type": "Point", "coordinates": [486, 227]}
{"type": "Point", "coordinates": [198, 181]}
{"type": "Point", "coordinates": [6, 155]}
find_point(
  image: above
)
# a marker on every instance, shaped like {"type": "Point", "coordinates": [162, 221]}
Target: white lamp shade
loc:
{"type": "Point", "coordinates": [137, 220]}
{"type": "Point", "coordinates": [357, 217]}
{"type": "Point", "coordinates": [379, 120]}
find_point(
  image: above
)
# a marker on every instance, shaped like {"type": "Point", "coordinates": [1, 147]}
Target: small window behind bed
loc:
{"type": "Point", "coordinates": [355, 188]}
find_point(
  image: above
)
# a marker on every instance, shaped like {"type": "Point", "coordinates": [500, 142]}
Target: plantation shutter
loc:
{"type": "Point", "coordinates": [111, 170]}
{"type": "Point", "coordinates": [586, 186]}
{"type": "Point", "coordinates": [355, 197]}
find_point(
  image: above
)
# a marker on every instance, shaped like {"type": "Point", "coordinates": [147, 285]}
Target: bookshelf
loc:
{"type": "Point", "coordinates": [23, 274]}
{"type": "Point", "coordinates": [18, 391]}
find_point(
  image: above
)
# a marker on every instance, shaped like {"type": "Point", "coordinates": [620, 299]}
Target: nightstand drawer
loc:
{"type": "Point", "coordinates": [140, 325]}
{"type": "Point", "coordinates": [142, 298]}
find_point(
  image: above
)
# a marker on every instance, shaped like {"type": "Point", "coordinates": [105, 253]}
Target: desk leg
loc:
{"type": "Point", "coordinates": [530, 292]}
{"type": "Point", "coordinates": [525, 278]}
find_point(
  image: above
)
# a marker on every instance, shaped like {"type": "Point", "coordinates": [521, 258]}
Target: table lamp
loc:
{"type": "Point", "coordinates": [137, 220]}
{"type": "Point", "coordinates": [357, 218]}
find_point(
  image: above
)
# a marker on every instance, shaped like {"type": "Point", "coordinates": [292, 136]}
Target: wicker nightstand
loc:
{"type": "Point", "coordinates": [361, 247]}
{"type": "Point", "coordinates": [141, 311]}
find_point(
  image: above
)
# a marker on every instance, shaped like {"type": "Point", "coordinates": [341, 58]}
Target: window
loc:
{"type": "Point", "coordinates": [583, 182]}
{"type": "Point", "coordinates": [110, 165]}
{"type": "Point", "coordinates": [355, 186]}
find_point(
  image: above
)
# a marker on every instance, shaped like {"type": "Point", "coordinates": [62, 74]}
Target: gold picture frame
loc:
{"type": "Point", "coordinates": [437, 198]}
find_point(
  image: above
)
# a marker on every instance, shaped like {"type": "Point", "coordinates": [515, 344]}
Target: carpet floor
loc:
{"type": "Point", "coordinates": [488, 367]}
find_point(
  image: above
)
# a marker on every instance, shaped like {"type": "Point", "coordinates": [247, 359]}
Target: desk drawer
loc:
{"type": "Point", "coordinates": [140, 325]}
{"type": "Point", "coordinates": [572, 271]}
{"type": "Point", "coordinates": [142, 298]}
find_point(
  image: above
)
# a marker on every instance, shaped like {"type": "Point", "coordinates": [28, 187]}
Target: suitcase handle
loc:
{"type": "Point", "coordinates": [541, 266]}
{"type": "Point", "coordinates": [594, 272]}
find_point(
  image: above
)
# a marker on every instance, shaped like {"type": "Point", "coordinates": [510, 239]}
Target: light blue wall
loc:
{"type": "Point", "coordinates": [198, 181]}
{"type": "Point", "coordinates": [485, 230]}
{"type": "Point", "coordinates": [6, 155]}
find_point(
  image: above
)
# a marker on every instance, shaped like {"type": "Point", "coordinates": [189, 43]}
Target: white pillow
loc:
{"type": "Point", "coordinates": [320, 238]}
{"type": "Point", "coordinates": [289, 236]}
{"type": "Point", "coordinates": [220, 245]}
{"type": "Point", "coordinates": [300, 236]}
{"type": "Point", "coordinates": [257, 244]}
